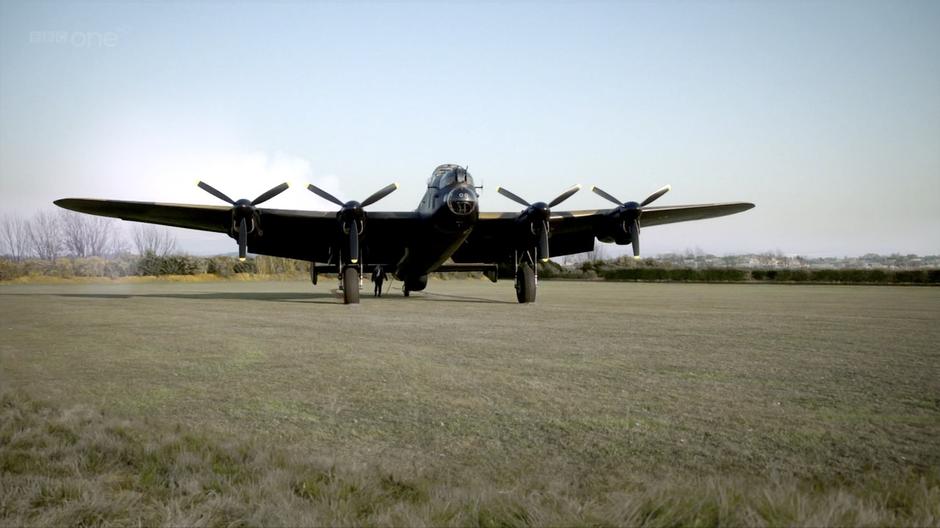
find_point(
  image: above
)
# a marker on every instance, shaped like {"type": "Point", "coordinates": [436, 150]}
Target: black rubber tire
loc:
{"type": "Point", "coordinates": [351, 286]}
{"type": "Point", "coordinates": [525, 283]}
{"type": "Point", "coordinates": [406, 292]}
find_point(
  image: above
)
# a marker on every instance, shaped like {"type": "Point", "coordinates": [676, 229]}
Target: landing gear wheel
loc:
{"type": "Point", "coordinates": [351, 286]}
{"type": "Point", "coordinates": [406, 292]}
{"type": "Point", "coordinates": [525, 283]}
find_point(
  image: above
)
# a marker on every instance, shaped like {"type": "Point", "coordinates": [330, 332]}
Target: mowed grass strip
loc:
{"type": "Point", "coordinates": [75, 466]}
{"type": "Point", "coordinates": [600, 404]}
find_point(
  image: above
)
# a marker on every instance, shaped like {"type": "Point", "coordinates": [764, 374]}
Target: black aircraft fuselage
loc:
{"type": "Point", "coordinates": [448, 210]}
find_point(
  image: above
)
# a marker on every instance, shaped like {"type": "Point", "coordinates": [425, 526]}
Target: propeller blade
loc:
{"type": "Point", "coordinates": [270, 194]}
{"type": "Point", "coordinates": [604, 194]}
{"type": "Point", "coordinates": [512, 197]}
{"type": "Point", "coordinates": [635, 239]}
{"type": "Point", "coordinates": [242, 239]}
{"type": "Point", "coordinates": [325, 195]}
{"type": "Point", "coordinates": [215, 192]}
{"type": "Point", "coordinates": [353, 241]}
{"type": "Point", "coordinates": [653, 197]}
{"type": "Point", "coordinates": [382, 193]}
{"type": "Point", "coordinates": [564, 196]}
{"type": "Point", "coordinates": [543, 244]}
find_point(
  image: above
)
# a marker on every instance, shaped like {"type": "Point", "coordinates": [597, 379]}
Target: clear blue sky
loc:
{"type": "Point", "coordinates": [825, 114]}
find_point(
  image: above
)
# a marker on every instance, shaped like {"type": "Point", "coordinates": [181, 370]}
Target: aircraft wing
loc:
{"type": "Point", "coordinates": [201, 217]}
{"type": "Point", "coordinates": [305, 235]}
{"type": "Point", "coordinates": [670, 214]}
{"type": "Point", "coordinates": [310, 235]}
{"type": "Point", "coordinates": [495, 234]}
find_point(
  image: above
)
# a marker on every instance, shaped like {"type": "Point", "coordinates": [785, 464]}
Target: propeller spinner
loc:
{"type": "Point", "coordinates": [242, 210]}
{"type": "Point", "coordinates": [352, 214]}
{"type": "Point", "coordinates": [630, 213]}
{"type": "Point", "coordinates": [538, 214]}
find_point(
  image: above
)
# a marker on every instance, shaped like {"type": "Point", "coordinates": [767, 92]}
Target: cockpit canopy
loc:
{"type": "Point", "coordinates": [447, 175]}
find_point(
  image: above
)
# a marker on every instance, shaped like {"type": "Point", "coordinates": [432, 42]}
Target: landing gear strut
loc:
{"type": "Point", "coordinates": [526, 278]}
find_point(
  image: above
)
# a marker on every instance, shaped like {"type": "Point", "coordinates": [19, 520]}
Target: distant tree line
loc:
{"type": "Point", "coordinates": [850, 276]}
{"type": "Point", "coordinates": [651, 271]}
{"type": "Point", "coordinates": [66, 244]}
{"type": "Point", "coordinates": [150, 264]}
{"type": "Point", "coordinates": [49, 235]}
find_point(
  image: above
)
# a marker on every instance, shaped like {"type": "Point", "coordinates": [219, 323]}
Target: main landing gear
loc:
{"type": "Point", "coordinates": [351, 285]}
{"type": "Point", "coordinates": [526, 277]}
{"type": "Point", "coordinates": [413, 284]}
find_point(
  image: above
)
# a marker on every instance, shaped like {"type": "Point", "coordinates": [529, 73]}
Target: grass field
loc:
{"type": "Point", "coordinates": [613, 404]}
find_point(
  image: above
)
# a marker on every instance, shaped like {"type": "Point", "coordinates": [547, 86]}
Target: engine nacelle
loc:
{"type": "Point", "coordinates": [616, 229]}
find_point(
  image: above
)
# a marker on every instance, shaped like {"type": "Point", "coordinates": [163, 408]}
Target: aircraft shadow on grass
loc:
{"type": "Point", "coordinates": [293, 297]}
{"type": "Point", "coordinates": [218, 296]}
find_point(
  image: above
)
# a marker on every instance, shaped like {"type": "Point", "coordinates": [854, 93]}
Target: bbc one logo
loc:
{"type": "Point", "coordinates": [75, 39]}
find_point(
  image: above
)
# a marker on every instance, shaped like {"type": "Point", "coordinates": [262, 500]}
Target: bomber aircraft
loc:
{"type": "Point", "coordinates": [447, 232]}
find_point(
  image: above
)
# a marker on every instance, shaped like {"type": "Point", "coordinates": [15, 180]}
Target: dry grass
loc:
{"type": "Point", "coordinates": [610, 404]}
{"type": "Point", "coordinates": [135, 279]}
{"type": "Point", "coordinates": [74, 466]}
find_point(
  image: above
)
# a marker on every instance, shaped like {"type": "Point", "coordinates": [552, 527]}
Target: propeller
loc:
{"type": "Point", "coordinates": [538, 214]}
{"type": "Point", "coordinates": [630, 213]}
{"type": "Point", "coordinates": [244, 209]}
{"type": "Point", "coordinates": [352, 214]}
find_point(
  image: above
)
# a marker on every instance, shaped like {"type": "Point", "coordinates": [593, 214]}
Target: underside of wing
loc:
{"type": "Point", "coordinates": [304, 235]}
{"type": "Point", "coordinates": [315, 235]}
{"type": "Point", "coordinates": [497, 235]}
{"type": "Point", "coordinates": [490, 241]}
{"type": "Point", "coordinates": [653, 216]}
{"type": "Point", "coordinates": [201, 217]}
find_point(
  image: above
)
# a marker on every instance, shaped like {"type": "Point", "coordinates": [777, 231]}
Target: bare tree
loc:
{"type": "Point", "coordinates": [74, 233]}
{"type": "Point", "coordinates": [600, 250]}
{"type": "Point", "coordinates": [86, 235]}
{"type": "Point", "coordinates": [45, 235]}
{"type": "Point", "coordinates": [119, 243]}
{"type": "Point", "coordinates": [14, 234]}
{"type": "Point", "coordinates": [598, 253]}
{"type": "Point", "coordinates": [152, 239]}
{"type": "Point", "coordinates": [101, 232]}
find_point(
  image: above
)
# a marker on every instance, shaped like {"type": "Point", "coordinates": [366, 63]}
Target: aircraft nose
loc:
{"type": "Point", "coordinates": [462, 201]}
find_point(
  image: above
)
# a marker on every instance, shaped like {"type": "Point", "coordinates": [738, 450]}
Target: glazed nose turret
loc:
{"type": "Point", "coordinates": [462, 200]}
